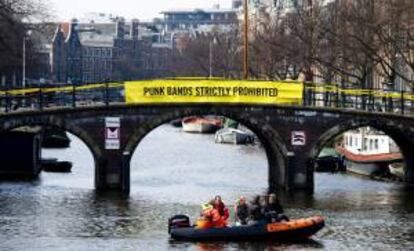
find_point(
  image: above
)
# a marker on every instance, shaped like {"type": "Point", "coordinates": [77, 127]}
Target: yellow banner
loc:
{"type": "Point", "coordinates": [213, 91]}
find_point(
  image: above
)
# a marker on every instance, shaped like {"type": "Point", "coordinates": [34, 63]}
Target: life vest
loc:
{"type": "Point", "coordinates": [212, 218]}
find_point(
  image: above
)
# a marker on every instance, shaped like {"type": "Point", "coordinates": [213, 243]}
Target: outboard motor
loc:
{"type": "Point", "coordinates": [178, 221]}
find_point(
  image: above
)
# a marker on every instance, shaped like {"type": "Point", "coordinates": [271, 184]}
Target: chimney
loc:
{"type": "Point", "coordinates": [134, 32]}
{"type": "Point", "coordinates": [120, 28]}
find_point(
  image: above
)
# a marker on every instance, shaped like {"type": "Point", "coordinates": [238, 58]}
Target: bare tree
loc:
{"type": "Point", "coordinates": [192, 54]}
{"type": "Point", "coordinates": [16, 18]}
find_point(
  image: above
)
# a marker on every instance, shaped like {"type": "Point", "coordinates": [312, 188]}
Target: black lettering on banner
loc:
{"type": "Point", "coordinates": [154, 91]}
{"type": "Point", "coordinates": [180, 91]}
{"type": "Point", "coordinates": [213, 91]}
{"type": "Point", "coordinates": [259, 92]}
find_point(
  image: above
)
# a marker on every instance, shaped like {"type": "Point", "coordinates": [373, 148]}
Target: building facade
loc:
{"type": "Point", "coordinates": [96, 52]}
{"type": "Point", "coordinates": [185, 20]}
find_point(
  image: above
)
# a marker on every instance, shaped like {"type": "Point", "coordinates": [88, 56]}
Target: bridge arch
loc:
{"type": "Point", "coordinates": [59, 123]}
{"type": "Point", "coordinates": [272, 142]}
{"type": "Point", "coordinates": [400, 133]}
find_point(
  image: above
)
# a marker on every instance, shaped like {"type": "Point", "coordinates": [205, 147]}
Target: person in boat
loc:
{"type": "Point", "coordinates": [273, 211]}
{"type": "Point", "coordinates": [222, 209]}
{"type": "Point", "coordinates": [255, 210]}
{"type": "Point", "coordinates": [216, 214]}
{"type": "Point", "coordinates": [241, 211]}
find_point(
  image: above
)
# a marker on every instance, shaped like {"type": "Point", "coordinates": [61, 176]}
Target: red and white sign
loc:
{"type": "Point", "coordinates": [112, 133]}
{"type": "Point", "coordinates": [298, 138]}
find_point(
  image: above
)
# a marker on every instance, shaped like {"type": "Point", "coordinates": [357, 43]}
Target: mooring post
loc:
{"type": "Point", "coordinates": [290, 170]}
{"type": "Point", "coordinates": [125, 173]}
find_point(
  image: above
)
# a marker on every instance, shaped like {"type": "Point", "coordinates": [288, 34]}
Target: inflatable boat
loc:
{"type": "Point", "coordinates": [180, 229]}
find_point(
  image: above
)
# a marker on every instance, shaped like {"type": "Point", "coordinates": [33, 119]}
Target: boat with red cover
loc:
{"type": "Point", "coordinates": [201, 125]}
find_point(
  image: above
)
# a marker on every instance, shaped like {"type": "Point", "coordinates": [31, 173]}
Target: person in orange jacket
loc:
{"type": "Point", "coordinates": [221, 211]}
{"type": "Point", "coordinates": [217, 214]}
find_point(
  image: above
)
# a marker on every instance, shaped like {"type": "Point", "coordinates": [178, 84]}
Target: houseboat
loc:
{"type": "Point", "coordinates": [369, 152]}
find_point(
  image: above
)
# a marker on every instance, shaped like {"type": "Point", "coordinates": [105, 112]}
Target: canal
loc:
{"type": "Point", "coordinates": [174, 172]}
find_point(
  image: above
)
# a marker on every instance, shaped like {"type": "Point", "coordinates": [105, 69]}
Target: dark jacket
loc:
{"type": "Point", "coordinates": [256, 212]}
{"type": "Point", "coordinates": [242, 213]}
{"type": "Point", "coordinates": [274, 208]}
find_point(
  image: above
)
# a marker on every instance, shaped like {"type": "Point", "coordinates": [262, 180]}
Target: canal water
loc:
{"type": "Point", "coordinates": [174, 172]}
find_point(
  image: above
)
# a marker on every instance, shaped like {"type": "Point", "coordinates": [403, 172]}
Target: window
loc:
{"type": "Point", "coordinates": [376, 144]}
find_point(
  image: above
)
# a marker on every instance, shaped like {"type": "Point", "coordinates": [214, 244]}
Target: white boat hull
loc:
{"type": "Point", "coordinates": [199, 128]}
{"type": "Point", "coordinates": [366, 169]}
{"type": "Point", "coordinates": [235, 139]}
{"type": "Point", "coordinates": [397, 169]}
{"type": "Point", "coordinates": [233, 136]}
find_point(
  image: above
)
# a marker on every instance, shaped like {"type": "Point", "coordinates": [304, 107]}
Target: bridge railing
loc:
{"type": "Point", "coordinates": [314, 95]}
{"type": "Point", "coordinates": [61, 96]}
{"type": "Point", "coordinates": [370, 100]}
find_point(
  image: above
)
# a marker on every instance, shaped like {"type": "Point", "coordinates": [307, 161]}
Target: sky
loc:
{"type": "Point", "coordinates": [64, 10]}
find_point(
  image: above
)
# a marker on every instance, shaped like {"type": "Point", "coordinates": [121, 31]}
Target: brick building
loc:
{"type": "Point", "coordinates": [95, 52]}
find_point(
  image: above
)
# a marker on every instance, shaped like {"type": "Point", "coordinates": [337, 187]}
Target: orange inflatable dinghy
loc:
{"type": "Point", "coordinates": [290, 230]}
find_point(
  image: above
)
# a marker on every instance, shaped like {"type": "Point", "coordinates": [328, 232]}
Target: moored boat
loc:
{"type": "Point", "coordinates": [327, 164]}
{"type": "Point", "coordinates": [54, 138]}
{"type": "Point", "coordinates": [368, 152]}
{"type": "Point", "coordinates": [328, 161]}
{"type": "Point", "coordinates": [201, 125]}
{"type": "Point", "coordinates": [289, 230]}
{"type": "Point", "coordinates": [233, 136]}
{"type": "Point", "coordinates": [53, 165]}
{"type": "Point", "coordinates": [397, 169]}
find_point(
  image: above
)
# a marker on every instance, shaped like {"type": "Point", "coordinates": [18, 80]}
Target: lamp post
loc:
{"type": "Point", "coordinates": [27, 34]}
{"type": "Point", "coordinates": [212, 42]}
{"type": "Point", "coordinates": [246, 41]}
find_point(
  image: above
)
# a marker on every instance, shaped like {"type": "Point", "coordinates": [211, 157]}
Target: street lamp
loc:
{"type": "Point", "coordinates": [212, 42]}
{"type": "Point", "coordinates": [25, 37]}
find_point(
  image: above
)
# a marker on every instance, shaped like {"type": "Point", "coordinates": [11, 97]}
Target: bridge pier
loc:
{"type": "Point", "coordinates": [113, 173]}
{"type": "Point", "coordinates": [299, 175]}
{"type": "Point", "coordinates": [292, 172]}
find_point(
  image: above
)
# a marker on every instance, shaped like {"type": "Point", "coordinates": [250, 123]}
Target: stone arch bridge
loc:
{"type": "Point", "coordinates": [290, 167]}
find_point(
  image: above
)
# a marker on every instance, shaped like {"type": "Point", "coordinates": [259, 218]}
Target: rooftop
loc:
{"type": "Point", "coordinates": [98, 35]}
